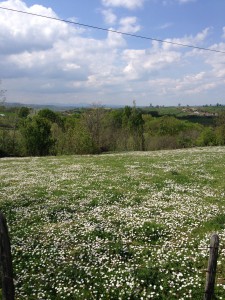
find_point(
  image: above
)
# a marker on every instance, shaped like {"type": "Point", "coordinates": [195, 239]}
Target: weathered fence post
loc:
{"type": "Point", "coordinates": [212, 264]}
{"type": "Point", "coordinates": [6, 261]}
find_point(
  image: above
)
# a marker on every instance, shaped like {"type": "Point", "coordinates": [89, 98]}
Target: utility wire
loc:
{"type": "Point", "coordinates": [114, 31]}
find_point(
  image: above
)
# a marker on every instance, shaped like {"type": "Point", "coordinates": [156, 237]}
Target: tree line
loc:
{"type": "Point", "coordinates": [24, 132]}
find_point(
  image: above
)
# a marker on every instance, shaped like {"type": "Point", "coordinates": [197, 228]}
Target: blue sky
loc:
{"type": "Point", "coordinates": [45, 61]}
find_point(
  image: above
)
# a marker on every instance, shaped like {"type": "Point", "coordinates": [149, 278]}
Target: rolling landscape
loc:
{"type": "Point", "coordinates": [112, 150]}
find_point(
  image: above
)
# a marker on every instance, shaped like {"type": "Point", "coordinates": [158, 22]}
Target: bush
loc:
{"type": "Point", "coordinates": [207, 137]}
{"type": "Point", "coordinates": [37, 136]}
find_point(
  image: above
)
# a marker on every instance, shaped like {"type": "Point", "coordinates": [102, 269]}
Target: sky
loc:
{"type": "Point", "coordinates": [44, 61]}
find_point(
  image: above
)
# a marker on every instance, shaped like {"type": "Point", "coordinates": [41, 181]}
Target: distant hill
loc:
{"type": "Point", "coordinates": [56, 107]}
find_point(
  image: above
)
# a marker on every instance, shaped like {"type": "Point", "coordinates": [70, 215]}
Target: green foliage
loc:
{"type": "Point", "coordinates": [9, 135]}
{"type": "Point", "coordinates": [168, 125]}
{"type": "Point", "coordinates": [37, 136]}
{"type": "Point", "coordinates": [79, 141]}
{"type": "Point", "coordinates": [93, 120]}
{"type": "Point", "coordinates": [133, 128]}
{"type": "Point", "coordinates": [97, 130]}
{"type": "Point", "coordinates": [170, 133]}
{"type": "Point", "coordinates": [5, 143]}
{"type": "Point", "coordinates": [221, 118]}
{"type": "Point", "coordinates": [23, 112]}
{"type": "Point", "coordinates": [220, 134]}
{"type": "Point", "coordinates": [207, 137]}
{"type": "Point", "coordinates": [115, 117]}
{"type": "Point", "coordinates": [50, 115]}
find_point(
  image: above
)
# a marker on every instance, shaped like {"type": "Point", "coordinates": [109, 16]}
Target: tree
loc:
{"type": "Point", "coordinates": [113, 134]}
{"type": "Point", "coordinates": [37, 136]}
{"type": "Point", "coordinates": [78, 140]}
{"type": "Point", "coordinates": [207, 137]}
{"type": "Point", "coordinates": [2, 97]}
{"type": "Point", "coordinates": [93, 121]}
{"type": "Point", "coordinates": [133, 125]}
{"type": "Point", "coordinates": [23, 112]}
{"type": "Point", "coordinates": [221, 118]}
{"type": "Point", "coordinates": [49, 115]}
{"type": "Point", "coordinates": [220, 129]}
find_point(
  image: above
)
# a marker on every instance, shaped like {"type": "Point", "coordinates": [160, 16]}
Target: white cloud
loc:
{"type": "Point", "coordinates": [130, 4]}
{"type": "Point", "coordinates": [186, 87]}
{"type": "Point", "coordinates": [167, 2]}
{"type": "Point", "coordinates": [216, 61]}
{"type": "Point", "coordinates": [129, 25]}
{"type": "Point", "coordinates": [223, 36]}
{"type": "Point", "coordinates": [109, 17]}
{"type": "Point", "coordinates": [52, 55]}
{"type": "Point", "coordinates": [26, 33]}
{"type": "Point", "coordinates": [195, 83]}
{"type": "Point", "coordinates": [142, 63]}
{"type": "Point", "coordinates": [115, 40]}
{"type": "Point", "coordinates": [196, 40]}
{"type": "Point", "coordinates": [43, 60]}
{"type": "Point", "coordinates": [185, 1]}
{"type": "Point", "coordinates": [165, 26]}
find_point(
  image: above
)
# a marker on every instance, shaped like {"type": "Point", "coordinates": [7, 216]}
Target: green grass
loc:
{"type": "Point", "coordinates": [116, 226]}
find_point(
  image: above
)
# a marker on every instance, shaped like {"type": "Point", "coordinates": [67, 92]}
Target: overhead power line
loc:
{"type": "Point", "coordinates": [114, 31]}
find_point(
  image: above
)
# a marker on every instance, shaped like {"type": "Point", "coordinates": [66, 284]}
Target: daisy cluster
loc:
{"type": "Point", "coordinates": [116, 226]}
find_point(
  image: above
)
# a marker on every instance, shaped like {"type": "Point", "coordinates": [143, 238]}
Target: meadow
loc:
{"type": "Point", "coordinates": [133, 225]}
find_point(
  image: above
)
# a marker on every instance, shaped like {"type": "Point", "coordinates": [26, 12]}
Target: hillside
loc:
{"type": "Point", "coordinates": [115, 226]}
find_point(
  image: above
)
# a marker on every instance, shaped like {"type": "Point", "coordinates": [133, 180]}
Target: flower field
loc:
{"type": "Point", "coordinates": [115, 226]}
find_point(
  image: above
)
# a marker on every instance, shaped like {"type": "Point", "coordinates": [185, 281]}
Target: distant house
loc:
{"type": "Point", "coordinates": [196, 112]}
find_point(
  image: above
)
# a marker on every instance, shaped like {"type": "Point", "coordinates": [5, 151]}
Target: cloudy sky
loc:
{"type": "Point", "coordinates": [46, 61]}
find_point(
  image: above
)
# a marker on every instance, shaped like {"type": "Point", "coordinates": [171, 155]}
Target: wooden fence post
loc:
{"type": "Point", "coordinates": [6, 261]}
{"type": "Point", "coordinates": [212, 264]}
